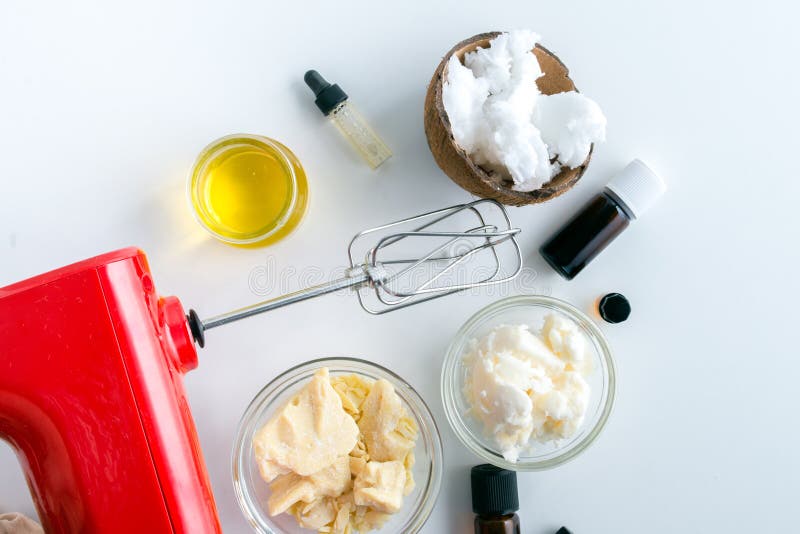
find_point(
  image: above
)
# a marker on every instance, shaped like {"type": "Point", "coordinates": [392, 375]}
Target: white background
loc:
{"type": "Point", "coordinates": [104, 105]}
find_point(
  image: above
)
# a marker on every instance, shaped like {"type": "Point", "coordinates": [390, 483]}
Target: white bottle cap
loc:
{"type": "Point", "coordinates": [638, 187]}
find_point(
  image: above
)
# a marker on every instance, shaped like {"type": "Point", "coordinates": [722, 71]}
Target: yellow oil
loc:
{"type": "Point", "coordinates": [248, 190]}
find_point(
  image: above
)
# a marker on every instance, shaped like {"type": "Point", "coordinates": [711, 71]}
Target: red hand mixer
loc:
{"type": "Point", "coordinates": [91, 365]}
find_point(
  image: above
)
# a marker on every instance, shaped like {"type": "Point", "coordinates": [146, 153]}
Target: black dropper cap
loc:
{"type": "Point", "coordinates": [563, 530]}
{"type": "Point", "coordinates": [614, 308]}
{"type": "Point", "coordinates": [328, 96]}
{"type": "Point", "coordinates": [494, 490]}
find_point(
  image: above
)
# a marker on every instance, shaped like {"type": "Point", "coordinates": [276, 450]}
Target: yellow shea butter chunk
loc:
{"type": "Point", "coordinates": [357, 465]}
{"type": "Point", "coordinates": [341, 525]}
{"type": "Point", "coordinates": [353, 390]}
{"type": "Point", "coordinates": [315, 515]}
{"type": "Point", "coordinates": [287, 490]}
{"type": "Point", "coordinates": [307, 434]}
{"type": "Point", "coordinates": [388, 433]}
{"type": "Point", "coordinates": [380, 486]}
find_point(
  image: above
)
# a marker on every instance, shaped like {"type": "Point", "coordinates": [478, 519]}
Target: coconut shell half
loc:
{"type": "Point", "coordinates": [455, 162]}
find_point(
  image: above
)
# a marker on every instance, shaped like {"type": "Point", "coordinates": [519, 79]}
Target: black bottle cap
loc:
{"type": "Point", "coordinates": [563, 530]}
{"type": "Point", "coordinates": [614, 308]}
{"type": "Point", "coordinates": [494, 490]}
{"type": "Point", "coordinates": [328, 96]}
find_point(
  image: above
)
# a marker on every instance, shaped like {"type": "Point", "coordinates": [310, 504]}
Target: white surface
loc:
{"type": "Point", "coordinates": [104, 105]}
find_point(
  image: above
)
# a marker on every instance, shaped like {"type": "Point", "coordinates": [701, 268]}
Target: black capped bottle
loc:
{"type": "Point", "coordinates": [626, 197]}
{"type": "Point", "coordinates": [334, 103]}
{"type": "Point", "coordinates": [494, 500]}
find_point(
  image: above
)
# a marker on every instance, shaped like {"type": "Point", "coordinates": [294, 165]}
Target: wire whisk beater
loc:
{"type": "Point", "coordinates": [412, 260]}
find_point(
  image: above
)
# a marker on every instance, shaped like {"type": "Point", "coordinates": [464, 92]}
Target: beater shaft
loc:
{"type": "Point", "coordinates": [355, 280]}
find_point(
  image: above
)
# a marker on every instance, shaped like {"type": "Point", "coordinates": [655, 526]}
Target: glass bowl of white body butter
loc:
{"type": "Point", "coordinates": [528, 383]}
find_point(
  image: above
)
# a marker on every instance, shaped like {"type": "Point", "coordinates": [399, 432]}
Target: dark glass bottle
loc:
{"type": "Point", "coordinates": [501, 524]}
{"type": "Point", "coordinates": [585, 235]}
{"type": "Point", "coordinates": [494, 500]}
{"type": "Point", "coordinates": [590, 231]}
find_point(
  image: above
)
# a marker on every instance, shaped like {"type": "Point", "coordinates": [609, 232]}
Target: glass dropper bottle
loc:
{"type": "Point", "coordinates": [334, 103]}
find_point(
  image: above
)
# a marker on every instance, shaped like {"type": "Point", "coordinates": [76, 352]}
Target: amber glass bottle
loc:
{"type": "Point", "coordinates": [591, 230]}
{"type": "Point", "coordinates": [494, 500]}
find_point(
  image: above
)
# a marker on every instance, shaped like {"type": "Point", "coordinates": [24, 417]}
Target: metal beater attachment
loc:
{"type": "Point", "coordinates": [410, 261]}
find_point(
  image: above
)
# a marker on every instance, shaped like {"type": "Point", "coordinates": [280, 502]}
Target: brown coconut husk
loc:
{"type": "Point", "coordinates": [455, 162]}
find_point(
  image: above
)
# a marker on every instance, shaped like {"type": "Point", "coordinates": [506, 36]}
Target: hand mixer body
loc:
{"type": "Point", "coordinates": [92, 400]}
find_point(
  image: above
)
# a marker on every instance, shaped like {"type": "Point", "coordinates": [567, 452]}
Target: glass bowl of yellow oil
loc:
{"type": "Point", "coordinates": [248, 190]}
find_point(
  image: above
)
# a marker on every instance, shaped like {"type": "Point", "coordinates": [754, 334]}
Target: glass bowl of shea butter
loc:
{"type": "Point", "coordinates": [337, 445]}
{"type": "Point", "coordinates": [528, 383]}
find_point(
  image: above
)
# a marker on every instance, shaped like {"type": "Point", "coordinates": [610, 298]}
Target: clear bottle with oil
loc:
{"type": "Point", "coordinates": [334, 103]}
{"type": "Point", "coordinates": [248, 190]}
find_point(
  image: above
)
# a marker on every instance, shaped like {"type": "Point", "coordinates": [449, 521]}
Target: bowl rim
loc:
{"type": "Point", "coordinates": [453, 355]}
{"type": "Point", "coordinates": [278, 384]}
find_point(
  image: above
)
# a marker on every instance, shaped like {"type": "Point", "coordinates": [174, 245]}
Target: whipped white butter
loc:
{"type": "Point", "coordinates": [528, 387]}
{"type": "Point", "coordinates": [500, 118]}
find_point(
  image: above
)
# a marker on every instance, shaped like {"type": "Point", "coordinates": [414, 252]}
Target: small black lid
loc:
{"type": "Point", "coordinates": [494, 490]}
{"type": "Point", "coordinates": [614, 308]}
{"type": "Point", "coordinates": [328, 96]}
{"type": "Point", "coordinates": [563, 530]}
